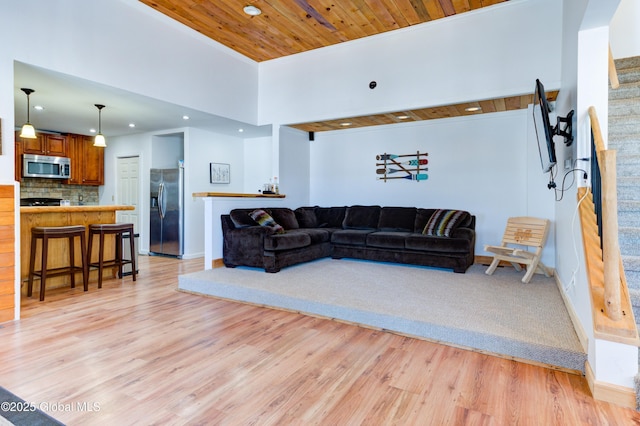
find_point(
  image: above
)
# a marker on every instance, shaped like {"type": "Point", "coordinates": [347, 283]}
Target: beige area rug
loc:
{"type": "Point", "coordinates": [498, 313]}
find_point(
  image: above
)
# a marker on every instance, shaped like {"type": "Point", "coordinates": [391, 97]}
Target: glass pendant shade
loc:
{"type": "Point", "coordinates": [99, 140]}
{"type": "Point", "coordinates": [28, 131]}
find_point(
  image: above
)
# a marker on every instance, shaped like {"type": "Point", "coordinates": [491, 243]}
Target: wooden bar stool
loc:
{"type": "Point", "coordinates": [117, 229]}
{"type": "Point", "coordinates": [45, 233]}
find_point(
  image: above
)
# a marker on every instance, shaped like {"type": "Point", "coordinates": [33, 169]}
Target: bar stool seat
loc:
{"type": "Point", "coordinates": [117, 229]}
{"type": "Point", "coordinates": [45, 233]}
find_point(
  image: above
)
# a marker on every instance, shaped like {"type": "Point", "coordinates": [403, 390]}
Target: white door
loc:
{"type": "Point", "coordinates": [128, 190]}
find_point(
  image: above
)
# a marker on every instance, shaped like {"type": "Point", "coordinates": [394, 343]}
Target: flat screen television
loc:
{"type": "Point", "coordinates": [544, 129]}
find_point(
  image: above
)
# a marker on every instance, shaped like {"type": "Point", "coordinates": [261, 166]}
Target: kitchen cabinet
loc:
{"type": "Point", "coordinates": [45, 144]}
{"type": "Point", "coordinates": [18, 159]}
{"type": "Point", "coordinates": [87, 161]}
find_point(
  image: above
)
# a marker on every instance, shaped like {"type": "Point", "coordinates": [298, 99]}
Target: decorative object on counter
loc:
{"type": "Point", "coordinates": [220, 173]}
{"type": "Point", "coordinates": [99, 140]}
{"type": "Point", "coordinates": [276, 187]}
{"type": "Point", "coordinates": [414, 172]}
{"type": "Point", "coordinates": [28, 132]}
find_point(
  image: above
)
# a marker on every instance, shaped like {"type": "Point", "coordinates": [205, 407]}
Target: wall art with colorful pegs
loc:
{"type": "Point", "coordinates": [405, 166]}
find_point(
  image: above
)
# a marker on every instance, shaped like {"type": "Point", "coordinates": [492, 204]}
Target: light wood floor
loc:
{"type": "Point", "coordinates": [143, 353]}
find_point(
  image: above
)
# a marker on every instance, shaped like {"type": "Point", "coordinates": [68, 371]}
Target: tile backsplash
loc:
{"type": "Point", "coordinates": [52, 188]}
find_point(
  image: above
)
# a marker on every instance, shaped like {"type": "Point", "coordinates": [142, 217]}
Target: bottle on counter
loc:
{"type": "Point", "coordinates": [276, 188]}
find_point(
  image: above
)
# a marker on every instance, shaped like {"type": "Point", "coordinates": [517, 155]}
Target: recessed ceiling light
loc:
{"type": "Point", "coordinates": [473, 109]}
{"type": "Point", "coordinates": [92, 130]}
{"type": "Point", "coordinates": [185, 117]}
{"type": "Point", "coordinates": [402, 117]}
{"type": "Point", "coordinates": [252, 10]}
{"type": "Point", "coordinates": [240, 130]}
{"type": "Point", "coordinates": [345, 124]}
{"type": "Point", "coordinates": [132, 124]}
{"type": "Point", "coordinates": [38, 107]}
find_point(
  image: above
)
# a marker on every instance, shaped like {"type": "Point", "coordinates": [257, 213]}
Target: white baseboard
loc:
{"type": "Point", "coordinates": [615, 394]}
{"type": "Point", "coordinates": [577, 325]}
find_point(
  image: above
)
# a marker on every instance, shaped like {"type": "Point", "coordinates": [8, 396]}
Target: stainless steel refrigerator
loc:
{"type": "Point", "coordinates": [166, 233]}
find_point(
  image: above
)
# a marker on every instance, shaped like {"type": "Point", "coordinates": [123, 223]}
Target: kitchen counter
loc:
{"type": "Point", "coordinates": [58, 248]}
{"type": "Point", "coordinates": [72, 209]}
{"type": "Point", "coordinates": [236, 195]}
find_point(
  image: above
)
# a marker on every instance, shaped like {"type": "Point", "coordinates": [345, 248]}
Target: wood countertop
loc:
{"type": "Point", "coordinates": [237, 195]}
{"type": "Point", "coordinates": [72, 209]}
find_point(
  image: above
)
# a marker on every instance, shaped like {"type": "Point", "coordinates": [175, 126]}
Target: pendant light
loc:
{"type": "Point", "coordinates": [99, 140]}
{"type": "Point", "coordinates": [28, 132]}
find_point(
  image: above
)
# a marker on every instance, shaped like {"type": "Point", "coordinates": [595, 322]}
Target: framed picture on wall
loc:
{"type": "Point", "coordinates": [220, 173]}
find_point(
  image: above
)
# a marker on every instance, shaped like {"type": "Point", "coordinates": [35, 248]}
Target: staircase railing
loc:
{"type": "Point", "coordinates": [613, 73]}
{"type": "Point", "coordinates": [612, 313]}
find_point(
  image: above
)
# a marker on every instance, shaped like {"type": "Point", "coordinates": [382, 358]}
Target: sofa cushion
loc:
{"type": "Point", "coordinates": [422, 217]}
{"type": "Point", "coordinates": [306, 217]}
{"type": "Point", "coordinates": [443, 221]}
{"type": "Point", "coordinates": [384, 239]}
{"type": "Point", "coordinates": [361, 217]}
{"type": "Point", "coordinates": [397, 219]}
{"type": "Point", "coordinates": [437, 244]}
{"type": "Point", "coordinates": [352, 237]}
{"type": "Point", "coordinates": [241, 218]}
{"type": "Point", "coordinates": [285, 217]}
{"type": "Point", "coordinates": [330, 217]}
{"type": "Point", "coordinates": [317, 235]}
{"type": "Point", "coordinates": [264, 219]}
{"type": "Point", "coordinates": [286, 241]}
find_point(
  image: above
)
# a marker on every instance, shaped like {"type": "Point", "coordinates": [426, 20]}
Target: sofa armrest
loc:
{"type": "Point", "coordinates": [245, 246]}
{"type": "Point", "coordinates": [466, 233]}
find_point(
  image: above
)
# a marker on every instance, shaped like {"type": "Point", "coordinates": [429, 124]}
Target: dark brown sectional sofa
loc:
{"type": "Point", "coordinates": [418, 236]}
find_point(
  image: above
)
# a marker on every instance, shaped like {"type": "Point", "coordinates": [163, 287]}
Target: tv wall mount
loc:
{"type": "Point", "coordinates": [564, 128]}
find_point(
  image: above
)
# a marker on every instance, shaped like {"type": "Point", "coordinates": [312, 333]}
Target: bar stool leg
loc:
{"type": "Point", "coordinates": [100, 259]}
{"type": "Point", "coordinates": [32, 261]}
{"type": "Point", "coordinates": [72, 261]}
{"type": "Point", "coordinates": [85, 269]}
{"type": "Point", "coordinates": [133, 256]}
{"type": "Point", "coordinates": [43, 276]}
{"type": "Point", "coordinates": [119, 253]}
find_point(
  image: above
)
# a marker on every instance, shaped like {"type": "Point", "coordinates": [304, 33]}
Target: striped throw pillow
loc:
{"type": "Point", "coordinates": [264, 219]}
{"type": "Point", "coordinates": [443, 222]}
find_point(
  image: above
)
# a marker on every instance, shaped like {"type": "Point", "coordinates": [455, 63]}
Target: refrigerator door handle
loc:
{"type": "Point", "coordinates": [161, 201]}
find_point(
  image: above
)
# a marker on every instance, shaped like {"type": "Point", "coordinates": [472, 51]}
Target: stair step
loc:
{"type": "Point", "coordinates": [629, 240]}
{"type": "Point", "coordinates": [624, 126]}
{"type": "Point", "coordinates": [628, 165]}
{"type": "Point", "coordinates": [628, 214]}
{"type": "Point", "coordinates": [622, 107]}
{"type": "Point", "coordinates": [628, 188]}
{"type": "Point", "coordinates": [626, 63]}
{"type": "Point", "coordinates": [627, 144]}
{"type": "Point", "coordinates": [625, 91]}
{"type": "Point", "coordinates": [632, 272]}
{"type": "Point", "coordinates": [628, 75]}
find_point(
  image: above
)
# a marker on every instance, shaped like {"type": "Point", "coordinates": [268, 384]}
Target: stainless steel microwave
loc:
{"type": "Point", "coordinates": [46, 166]}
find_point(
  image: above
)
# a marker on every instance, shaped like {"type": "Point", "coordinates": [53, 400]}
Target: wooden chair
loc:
{"type": "Point", "coordinates": [523, 232]}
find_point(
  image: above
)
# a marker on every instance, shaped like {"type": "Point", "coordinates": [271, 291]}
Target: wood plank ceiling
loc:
{"type": "Point", "coordinates": [287, 27]}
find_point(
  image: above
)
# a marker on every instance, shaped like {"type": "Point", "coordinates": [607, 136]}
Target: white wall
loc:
{"type": "Point", "coordinates": [259, 161]}
{"type": "Point", "coordinates": [158, 149]}
{"type": "Point", "coordinates": [124, 44]}
{"type": "Point", "coordinates": [625, 30]}
{"type": "Point", "coordinates": [478, 55]}
{"type": "Point", "coordinates": [479, 164]}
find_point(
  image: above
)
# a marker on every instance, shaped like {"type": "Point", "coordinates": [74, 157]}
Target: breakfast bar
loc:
{"type": "Point", "coordinates": [58, 251]}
